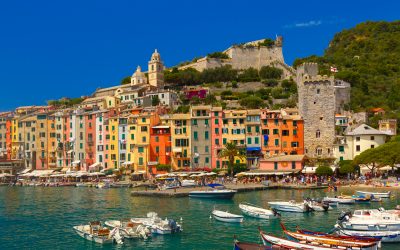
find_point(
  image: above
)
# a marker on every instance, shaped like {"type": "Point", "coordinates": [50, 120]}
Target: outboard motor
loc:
{"type": "Point", "coordinates": [344, 216]}
{"type": "Point", "coordinates": [173, 225]}
{"type": "Point", "coordinates": [116, 236]}
{"type": "Point", "coordinates": [308, 207]}
{"type": "Point", "coordinates": [276, 213]}
{"type": "Point", "coordinates": [325, 206]}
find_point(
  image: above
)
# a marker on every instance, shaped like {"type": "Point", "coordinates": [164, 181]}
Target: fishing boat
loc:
{"type": "Point", "coordinates": [158, 225]}
{"type": "Point", "coordinates": [339, 200]}
{"type": "Point", "coordinates": [95, 232]}
{"type": "Point", "coordinates": [346, 242]}
{"type": "Point", "coordinates": [288, 244]}
{"type": "Point", "coordinates": [383, 236]}
{"type": "Point", "coordinates": [362, 198]}
{"type": "Point", "coordinates": [238, 245]}
{"type": "Point", "coordinates": [226, 217]}
{"type": "Point", "coordinates": [369, 220]}
{"type": "Point", "coordinates": [375, 194]}
{"type": "Point", "coordinates": [129, 229]}
{"type": "Point", "coordinates": [290, 206]}
{"type": "Point", "coordinates": [258, 212]}
{"type": "Point", "coordinates": [215, 191]}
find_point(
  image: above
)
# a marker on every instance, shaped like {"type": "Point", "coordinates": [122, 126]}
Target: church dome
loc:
{"type": "Point", "coordinates": [155, 56]}
{"type": "Point", "coordinates": [138, 72]}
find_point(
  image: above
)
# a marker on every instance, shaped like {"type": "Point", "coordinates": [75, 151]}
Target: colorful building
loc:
{"type": "Point", "coordinates": [200, 136]}
{"type": "Point", "coordinates": [160, 146]}
{"type": "Point", "coordinates": [253, 138]}
{"type": "Point", "coordinates": [181, 143]}
{"type": "Point", "coordinates": [216, 136]}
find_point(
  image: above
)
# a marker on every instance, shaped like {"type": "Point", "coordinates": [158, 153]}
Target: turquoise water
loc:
{"type": "Point", "coordinates": [42, 218]}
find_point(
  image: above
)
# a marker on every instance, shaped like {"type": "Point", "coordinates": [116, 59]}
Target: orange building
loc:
{"type": "Point", "coordinates": [282, 133]}
{"type": "Point", "coordinates": [160, 146]}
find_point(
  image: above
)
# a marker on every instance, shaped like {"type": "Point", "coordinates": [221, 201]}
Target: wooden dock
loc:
{"type": "Point", "coordinates": [184, 192]}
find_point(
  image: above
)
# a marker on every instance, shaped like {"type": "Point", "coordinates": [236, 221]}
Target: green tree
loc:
{"type": "Point", "coordinates": [126, 80]}
{"type": "Point", "coordinates": [324, 170]}
{"type": "Point", "coordinates": [268, 72]}
{"type": "Point", "coordinates": [220, 55]}
{"type": "Point", "coordinates": [252, 102]}
{"type": "Point", "coordinates": [268, 42]}
{"type": "Point", "coordinates": [238, 168]}
{"type": "Point", "coordinates": [346, 167]}
{"type": "Point", "coordinates": [155, 101]}
{"type": "Point", "coordinates": [231, 151]}
{"type": "Point", "coordinates": [249, 75]}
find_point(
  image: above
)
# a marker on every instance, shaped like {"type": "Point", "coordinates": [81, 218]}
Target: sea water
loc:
{"type": "Point", "coordinates": [43, 217]}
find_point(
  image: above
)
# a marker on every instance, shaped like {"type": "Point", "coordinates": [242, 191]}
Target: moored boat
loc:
{"type": "Point", "coordinates": [226, 216]}
{"type": "Point", "coordinates": [370, 220]}
{"type": "Point", "coordinates": [290, 206]}
{"type": "Point", "coordinates": [346, 242]}
{"type": "Point", "coordinates": [383, 236]}
{"type": "Point", "coordinates": [318, 206]}
{"type": "Point", "coordinates": [158, 225]}
{"type": "Point", "coordinates": [375, 194]}
{"type": "Point", "coordinates": [257, 212]}
{"type": "Point", "coordinates": [238, 245]}
{"type": "Point", "coordinates": [129, 229]}
{"type": "Point", "coordinates": [95, 232]}
{"type": "Point", "coordinates": [339, 200]}
{"type": "Point", "coordinates": [217, 191]}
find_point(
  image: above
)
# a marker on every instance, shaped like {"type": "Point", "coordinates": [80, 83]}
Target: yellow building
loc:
{"type": "Point", "coordinates": [234, 130]}
{"type": "Point", "coordinates": [113, 154]}
{"type": "Point", "coordinates": [51, 142]}
{"type": "Point", "coordinates": [180, 133]}
{"type": "Point", "coordinates": [28, 137]}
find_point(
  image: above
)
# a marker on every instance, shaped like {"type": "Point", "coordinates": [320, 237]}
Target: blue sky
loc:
{"type": "Point", "coordinates": [51, 49]}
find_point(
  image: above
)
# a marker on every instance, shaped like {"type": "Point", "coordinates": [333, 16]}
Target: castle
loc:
{"type": "Point", "coordinates": [320, 98]}
{"type": "Point", "coordinates": [248, 55]}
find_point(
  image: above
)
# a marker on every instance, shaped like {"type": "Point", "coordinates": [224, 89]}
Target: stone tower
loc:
{"type": "Point", "coordinates": [317, 105]}
{"type": "Point", "coordinates": [156, 68]}
{"type": "Point", "coordinates": [138, 77]}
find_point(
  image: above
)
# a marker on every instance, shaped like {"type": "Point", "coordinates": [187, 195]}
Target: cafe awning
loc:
{"type": "Point", "coordinates": [76, 162]}
{"type": "Point", "coordinates": [177, 150]}
{"type": "Point", "coordinates": [127, 163]}
{"type": "Point", "coordinates": [94, 165]}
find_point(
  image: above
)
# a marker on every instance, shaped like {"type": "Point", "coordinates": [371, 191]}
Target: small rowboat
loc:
{"type": "Point", "coordinates": [227, 217]}
{"type": "Point", "coordinates": [375, 194]}
{"type": "Point", "coordinates": [238, 245]}
{"type": "Point", "coordinates": [257, 212]}
{"type": "Point", "coordinates": [346, 242]}
{"type": "Point", "coordinates": [276, 241]}
{"type": "Point", "coordinates": [290, 206]}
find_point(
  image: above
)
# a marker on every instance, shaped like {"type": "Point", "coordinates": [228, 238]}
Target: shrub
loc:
{"type": "Point", "coordinates": [268, 42]}
{"type": "Point", "coordinates": [270, 82]}
{"type": "Point", "coordinates": [252, 102]}
{"type": "Point", "coordinates": [268, 72]}
{"type": "Point", "coordinates": [323, 170]}
{"type": "Point", "coordinates": [163, 167]}
{"type": "Point", "coordinates": [234, 84]}
{"type": "Point", "coordinates": [220, 55]}
{"type": "Point", "coordinates": [249, 75]}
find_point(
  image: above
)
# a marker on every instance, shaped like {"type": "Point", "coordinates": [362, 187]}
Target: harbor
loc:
{"type": "Point", "coordinates": [58, 209]}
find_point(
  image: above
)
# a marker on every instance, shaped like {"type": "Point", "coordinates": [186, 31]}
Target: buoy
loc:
{"type": "Point", "coordinates": [210, 216]}
{"type": "Point", "coordinates": [181, 219]}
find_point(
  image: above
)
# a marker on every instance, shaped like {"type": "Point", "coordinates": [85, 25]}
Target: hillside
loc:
{"type": "Point", "coordinates": [367, 56]}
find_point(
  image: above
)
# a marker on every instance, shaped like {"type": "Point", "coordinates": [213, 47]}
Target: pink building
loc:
{"type": "Point", "coordinates": [90, 137]}
{"type": "Point", "coordinates": [216, 136]}
{"type": "Point", "coordinates": [282, 164]}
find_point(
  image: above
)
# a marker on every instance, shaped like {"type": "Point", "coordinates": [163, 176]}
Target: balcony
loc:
{"type": "Point", "coordinates": [90, 142]}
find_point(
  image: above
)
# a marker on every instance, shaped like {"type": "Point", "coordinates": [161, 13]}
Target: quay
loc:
{"type": "Point", "coordinates": [184, 192]}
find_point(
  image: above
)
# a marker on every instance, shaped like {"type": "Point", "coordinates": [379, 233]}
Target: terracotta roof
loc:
{"type": "Point", "coordinates": [364, 129]}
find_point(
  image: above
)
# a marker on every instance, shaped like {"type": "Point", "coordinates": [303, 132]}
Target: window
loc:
{"type": "Point", "coordinates": [372, 138]}
{"type": "Point", "coordinates": [194, 122]}
{"type": "Point", "coordinates": [248, 140]}
{"type": "Point", "coordinates": [216, 114]}
{"type": "Point", "coordinates": [206, 121]}
{"type": "Point", "coordinates": [341, 149]}
{"type": "Point", "coordinates": [276, 142]}
{"type": "Point", "coordinates": [216, 121]}
{"type": "Point", "coordinates": [206, 135]}
{"type": "Point", "coordinates": [285, 132]}
{"type": "Point", "coordinates": [358, 148]}
{"type": "Point", "coordinates": [265, 131]}
{"type": "Point", "coordinates": [293, 165]}
{"type": "Point", "coordinates": [157, 139]}
{"type": "Point", "coordinates": [207, 161]}
{"type": "Point", "coordinates": [224, 141]}
{"type": "Point", "coordinates": [357, 138]}
{"type": "Point", "coordinates": [248, 129]}
{"type": "Point", "coordinates": [257, 129]}
{"type": "Point", "coordinates": [157, 149]}
{"type": "Point", "coordinates": [144, 139]}
{"type": "Point", "coordinates": [294, 144]}
{"type": "Point", "coordinates": [206, 149]}
{"type": "Point", "coordinates": [294, 131]}
{"type": "Point", "coordinates": [276, 131]}
{"type": "Point", "coordinates": [318, 91]}
{"type": "Point", "coordinates": [275, 165]}
{"type": "Point", "coordinates": [372, 146]}
{"type": "Point", "coordinates": [195, 135]}
{"type": "Point", "coordinates": [143, 119]}
{"type": "Point", "coordinates": [218, 164]}
{"type": "Point", "coordinates": [140, 161]}
{"type": "Point", "coordinates": [256, 140]}
{"type": "Point", "coordinates": [140, 149]}
{"type": "Point", "coordinates": [318, 151]}
{"type": "Point", "coordinates": [143, 128]}
{"type": "Point", "coordinates": [216, 131]}
{"type": "Point", "coordinates": [318, 134]}
{"type": "Point", "coordinates": [216, 141]}
{"type": "Point", "coordinates": [132, 137]}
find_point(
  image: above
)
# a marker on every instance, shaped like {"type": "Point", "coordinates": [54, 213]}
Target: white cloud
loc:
{"type": "Point", "coordinates": [304, 24]}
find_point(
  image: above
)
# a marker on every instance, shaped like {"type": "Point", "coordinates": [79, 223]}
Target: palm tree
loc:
{"type": "Point", "coordinates": [231, 151]}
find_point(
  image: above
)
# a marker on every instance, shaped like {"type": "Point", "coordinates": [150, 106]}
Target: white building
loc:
{"type": "Point", "coordinates": [355, 141]}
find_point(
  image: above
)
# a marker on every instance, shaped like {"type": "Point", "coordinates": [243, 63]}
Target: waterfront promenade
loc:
{"type": "Point", "coordinates": [184, 192]}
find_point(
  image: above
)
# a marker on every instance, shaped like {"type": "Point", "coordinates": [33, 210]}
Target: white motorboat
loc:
{"type": "Point", "coordinates": [217, 191]}
{"type": "Point", "coordinates": [158, 225]}
{"type": "Point", "coordinates": [257, 212]}
{"type": "Point", "coordinates": [375, 194]}
{"type": "Point", "coordinates": [318, 206]}
{"type": "Point", "coordinates": [339, 200]}
{"type": "Point", "coordinates": [96, 233]}
{"type": "Point", "coordinates": [290, 206]}
{"type": "Point", "coordinates": [226, 217]}
{"type": "Point", "coordinates": [188, 183]}
{"type": "Point", "coordinates": [370, 220]}
{"type": "Point", "coordinates": [129, 229]}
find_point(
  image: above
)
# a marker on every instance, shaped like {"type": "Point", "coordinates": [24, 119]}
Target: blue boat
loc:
{"type": "Point", "coordinates": [215, 191]}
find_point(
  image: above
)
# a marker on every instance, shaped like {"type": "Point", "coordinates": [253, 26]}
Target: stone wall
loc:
{"type": "Point", "coordinates": [317, 105]}
{"type": "Point", "coordinates": [342, 94]}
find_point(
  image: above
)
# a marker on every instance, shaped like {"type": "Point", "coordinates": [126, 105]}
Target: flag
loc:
{"type": "Point", "coordinates": [334, 69]}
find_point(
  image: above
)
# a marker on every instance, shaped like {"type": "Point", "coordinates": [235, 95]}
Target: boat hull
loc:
{"type": "Point", "coordinates": [212, 195]}
{"type": "Point", "coordinates": [258, 213]}
{"type": "Point", "coordinates": [343, 201]}
{"type": "Point", "coordinates": [375, 194]}
{"type": "Point", "coordinates": [90, 237]}
{"type": "Point", "coordinates": [287, 207]}
{"type": "Point", "coordinates": [384, 236]}
{"type": "Point", "coordinates": [269, 239]}
{"type": "Point", "coordinates": [226, 217]}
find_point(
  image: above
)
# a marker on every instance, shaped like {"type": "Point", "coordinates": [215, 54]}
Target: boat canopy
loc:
{"type": "Point", "coordinates": [213, 185]}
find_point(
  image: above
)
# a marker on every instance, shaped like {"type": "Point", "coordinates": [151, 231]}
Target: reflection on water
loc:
{"type": "Point", "coordinates": [42, 218]}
